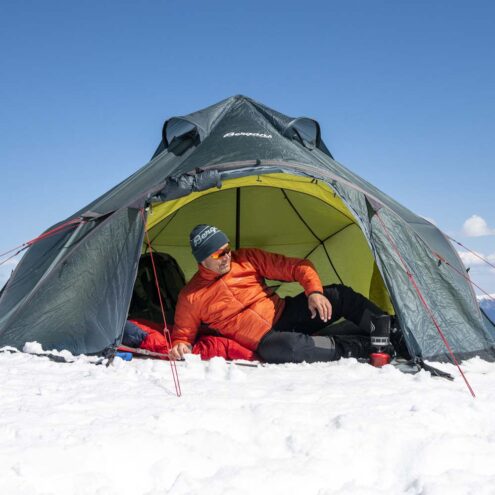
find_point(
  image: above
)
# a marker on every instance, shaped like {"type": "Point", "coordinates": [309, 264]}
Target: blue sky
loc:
{"type": "Point", "coordinates": [404, 92]}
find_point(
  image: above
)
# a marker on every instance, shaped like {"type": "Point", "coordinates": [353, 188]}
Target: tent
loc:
{"type": "Point", "coordinates": [269, 181]}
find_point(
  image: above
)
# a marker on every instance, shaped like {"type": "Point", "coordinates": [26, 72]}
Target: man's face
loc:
{"type": "Point", "coordinates": [219, 261]}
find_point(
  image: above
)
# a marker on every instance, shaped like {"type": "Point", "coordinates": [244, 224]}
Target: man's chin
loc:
{"type": "Point", "coordinates": [224, 270]}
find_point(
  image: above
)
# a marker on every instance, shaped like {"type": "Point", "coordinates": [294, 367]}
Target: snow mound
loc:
{"type": "Point", "coordinates": [325, 428]}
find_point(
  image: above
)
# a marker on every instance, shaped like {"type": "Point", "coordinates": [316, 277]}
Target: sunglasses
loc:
{"type": "Point", "coordinates": [221, 253]}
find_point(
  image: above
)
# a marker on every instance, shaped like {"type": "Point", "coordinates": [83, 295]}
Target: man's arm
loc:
{"type": "Point", "coordinates": [186, 325]}
{"type": "Point", "coordinates": [279, 267]}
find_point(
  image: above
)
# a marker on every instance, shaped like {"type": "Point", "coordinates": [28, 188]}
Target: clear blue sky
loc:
{"type": "Point", "coordinates": [404, 92]}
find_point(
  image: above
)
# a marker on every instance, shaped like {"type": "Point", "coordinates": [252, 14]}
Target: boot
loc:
{"type": "Point", "coordinates": [356, 346]}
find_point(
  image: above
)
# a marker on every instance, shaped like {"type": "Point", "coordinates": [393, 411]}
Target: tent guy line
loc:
{"type": "Point", "coordinates": [166, 331]}
{"type": "Point", "coordinates": [425, 304]}
{"type": "Point", "coordinates": [471, 251]}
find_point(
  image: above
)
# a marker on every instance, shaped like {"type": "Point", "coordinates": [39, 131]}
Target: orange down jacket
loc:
{"type": "Point", "coordinates": [239, 304]}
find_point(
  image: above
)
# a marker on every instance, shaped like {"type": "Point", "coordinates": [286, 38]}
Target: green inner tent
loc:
{"type": "Point", "coordinates": [287, 214]}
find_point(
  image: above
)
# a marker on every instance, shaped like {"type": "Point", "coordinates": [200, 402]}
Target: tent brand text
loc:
{"type": "Point", "coordinates": [251, 134]}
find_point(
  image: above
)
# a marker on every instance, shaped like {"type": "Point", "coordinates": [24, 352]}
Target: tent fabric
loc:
{"type": "Point", "coordinates": [269, 181]}
{"type": "Point", "coordinates": [81, 296]}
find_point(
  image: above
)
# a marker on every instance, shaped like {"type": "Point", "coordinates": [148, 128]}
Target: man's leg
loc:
{"type": "Point", "coordinates": [291, 339]}
{"type": "Point", "coordinates": [348, 304]}
{"type": "Point", "coordinates": [345, 302]}
{"type": "Point", "coordinates": [295, 347]}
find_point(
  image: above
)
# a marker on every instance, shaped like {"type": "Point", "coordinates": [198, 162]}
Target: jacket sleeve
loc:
{"type": "Point", "coordinates": [186, 322]}
{"type": "Point", "coordinates": [278, 267]}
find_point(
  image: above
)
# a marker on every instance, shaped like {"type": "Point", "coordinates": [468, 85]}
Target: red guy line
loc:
{"type": "Point", "coordinates": [425, 304]}
{"type": "Point", "coordinates": [166, 332]}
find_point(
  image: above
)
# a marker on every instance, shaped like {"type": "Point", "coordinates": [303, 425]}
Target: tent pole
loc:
{"type": "Point", "coordinates": [314, 235]}
{"type": "Point", "coordinates": [238, 218]}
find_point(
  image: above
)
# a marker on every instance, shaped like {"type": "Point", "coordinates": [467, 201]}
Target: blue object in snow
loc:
{"type": "Point", "coordinates": [126, 356]}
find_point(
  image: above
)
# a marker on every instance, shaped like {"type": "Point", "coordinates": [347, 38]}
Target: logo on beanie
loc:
{"type": "Point", "coordinates": [199, 238]}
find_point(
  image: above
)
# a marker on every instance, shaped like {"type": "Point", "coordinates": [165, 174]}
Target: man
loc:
{"type": "Point", "coordinates": [229, 295]}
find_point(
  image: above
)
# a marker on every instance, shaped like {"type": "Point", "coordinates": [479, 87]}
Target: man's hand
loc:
{"type": "Point", "coordinates": [178, 350]}
{"type": "Point", "coordinates": [318, 303]}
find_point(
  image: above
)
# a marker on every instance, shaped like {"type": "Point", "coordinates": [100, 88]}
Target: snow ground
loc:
{"type": "Point", "coordinates": [326, 428]}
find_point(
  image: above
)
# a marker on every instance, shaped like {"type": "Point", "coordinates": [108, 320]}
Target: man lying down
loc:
{"type": "Point", "coordinates": [228, 294]}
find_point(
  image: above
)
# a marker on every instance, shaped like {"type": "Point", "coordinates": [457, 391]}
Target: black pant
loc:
{"type": "Point", "coordinates": [291, 340]}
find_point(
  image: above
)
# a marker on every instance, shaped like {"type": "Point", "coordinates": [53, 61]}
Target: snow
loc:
{"type": "Point", "coordinates": [324, 428]}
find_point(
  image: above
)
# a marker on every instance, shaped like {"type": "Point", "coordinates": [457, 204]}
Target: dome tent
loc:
{"type": "Point", "coordinates": [268, 181]}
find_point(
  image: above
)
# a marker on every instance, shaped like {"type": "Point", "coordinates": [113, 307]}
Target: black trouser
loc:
{"type": "Point", "coordinates": [291, 339]}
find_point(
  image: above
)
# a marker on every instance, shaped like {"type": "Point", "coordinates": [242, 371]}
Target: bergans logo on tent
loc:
{"type": "Point", "coordinates": [198, 239]}
{"type": "Point", "coordinates": [249, 134]}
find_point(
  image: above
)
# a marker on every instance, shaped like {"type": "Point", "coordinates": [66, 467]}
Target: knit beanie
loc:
{"type": "Point", "coordinates": [205, 240]}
